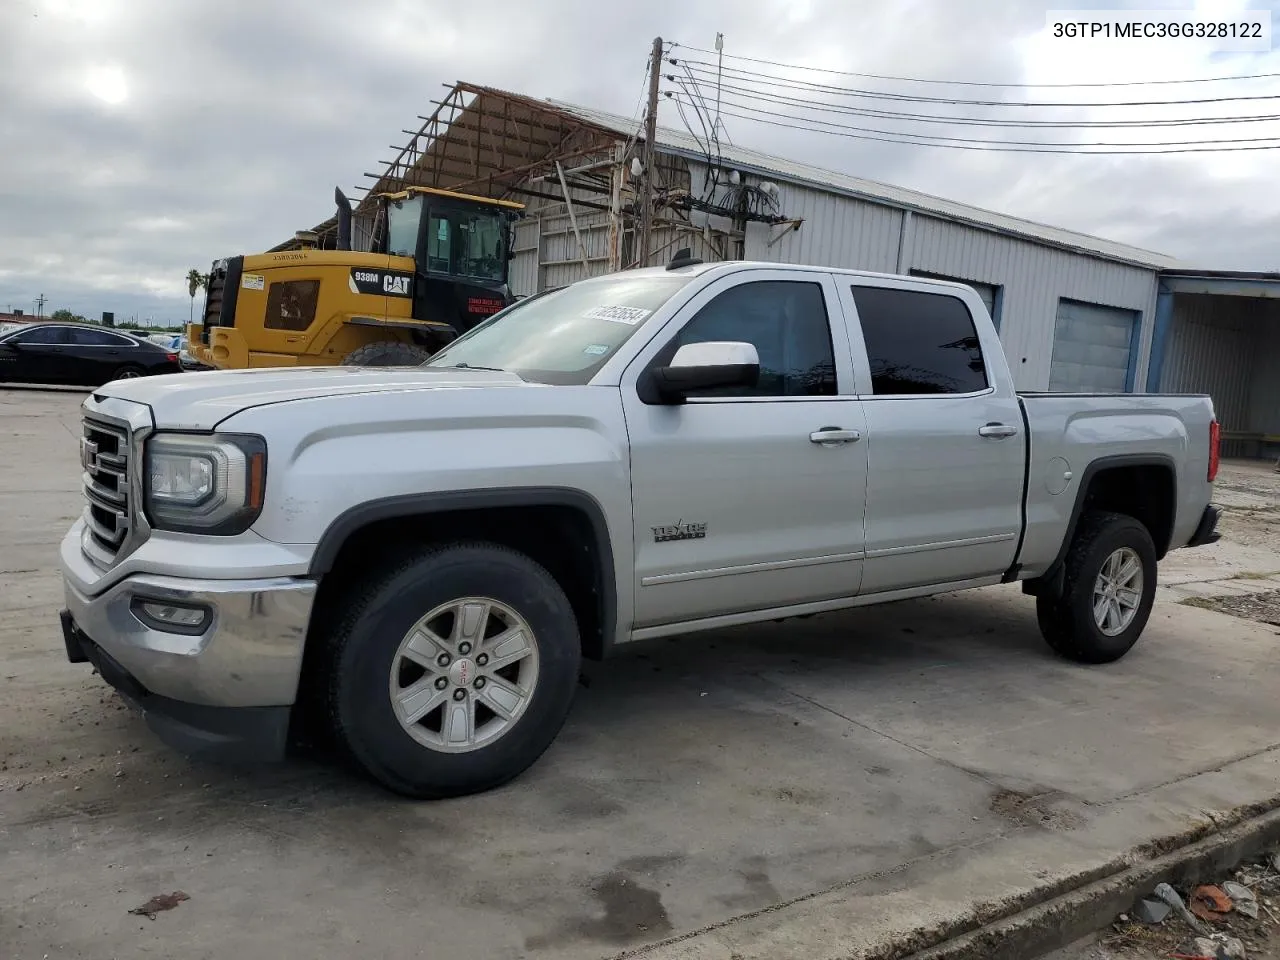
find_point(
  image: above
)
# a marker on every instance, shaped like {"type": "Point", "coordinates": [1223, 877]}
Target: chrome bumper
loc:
{"type": "Point", "coordinates": [249, 653]}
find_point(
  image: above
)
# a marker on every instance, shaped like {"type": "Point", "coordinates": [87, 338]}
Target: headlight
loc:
{"type": "Point", "coordinates": [205, 483]}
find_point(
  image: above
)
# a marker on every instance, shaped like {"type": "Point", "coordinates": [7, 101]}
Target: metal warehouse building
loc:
{"type": "Point", "coordinates": [1074, 312]}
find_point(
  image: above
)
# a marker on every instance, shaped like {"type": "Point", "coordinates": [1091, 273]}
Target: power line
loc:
{"type": "Point", "coordinates": [699, 67]}
{"type": "Point", "coordinates": [826, 106]}
{"type": "Point", "coordinates": [998, 146]}
{"type": "Point", "coordinates": [1022, 143]}
{"type": "Point", "coordinates": [977, 83]}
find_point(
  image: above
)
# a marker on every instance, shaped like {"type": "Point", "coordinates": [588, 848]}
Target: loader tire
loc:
{"type": "Point", "coordinates": [387, 353]}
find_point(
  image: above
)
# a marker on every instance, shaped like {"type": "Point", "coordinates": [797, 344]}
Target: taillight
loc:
{"type": "Point", "coordinates": [171, 357]}
{"type": "Point", "coordinates": [1215, 445]}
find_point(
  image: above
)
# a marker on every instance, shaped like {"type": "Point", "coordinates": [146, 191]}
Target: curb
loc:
{"type": "Point", "coordinates": [1066, 918]}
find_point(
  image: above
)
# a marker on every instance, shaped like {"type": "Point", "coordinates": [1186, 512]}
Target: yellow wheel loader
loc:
{"type": "Point", "coordinates": [440, 267]}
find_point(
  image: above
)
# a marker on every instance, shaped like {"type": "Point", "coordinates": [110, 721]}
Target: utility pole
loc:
{"type": "Point", "coordinates": [40, 302]}
{"type": "Point", "coordinates": [646, 175]}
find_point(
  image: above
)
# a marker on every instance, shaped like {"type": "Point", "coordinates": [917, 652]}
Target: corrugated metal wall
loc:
{"type": "Point", "coordinates": [1264, 397]}
{"type": "Point", "coordinates": [1229, 348]}
{"type": "Point", "coordinates": [845, 232]}
{"type": "Point", "coordinates": [1210, 350]}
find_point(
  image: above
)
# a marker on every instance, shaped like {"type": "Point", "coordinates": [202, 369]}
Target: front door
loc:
{"type": "Point", "coordinates": [738, 504]}
{"type": "Point", "coordinates": [41, 354]}
{"type": "Point", "coordinates": [944, 435]}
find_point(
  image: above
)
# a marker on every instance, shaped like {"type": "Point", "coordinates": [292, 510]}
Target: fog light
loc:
{"type": "Point", "coordinates": [171, 617]}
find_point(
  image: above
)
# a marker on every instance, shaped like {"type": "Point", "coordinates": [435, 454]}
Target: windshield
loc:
{"type": "Point", "coordinates": [402, 226]}
{"type": "Point", "coordinates": [565, 336]}
{"type": "Point", "coordinates": [466, 243]}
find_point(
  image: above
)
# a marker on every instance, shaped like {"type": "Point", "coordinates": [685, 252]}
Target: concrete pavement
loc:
{"type": "Point", "coordinates": [856, 784]}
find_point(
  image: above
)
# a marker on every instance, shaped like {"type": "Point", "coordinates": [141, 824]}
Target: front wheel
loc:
{"type": "Point", "coordinates": [1109, 586]}
{"type": "Point", "coordinates": [453, 671]}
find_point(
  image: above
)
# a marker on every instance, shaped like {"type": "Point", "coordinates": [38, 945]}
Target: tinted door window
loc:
{"type": "Point", "coordinates": [919, 343]}
{"type": "Point", "coordinates": [786, 321]}
{"type": "Point", "coordinates": [40, 335]}
{"type": "Point", "coordinates": [96, 338]}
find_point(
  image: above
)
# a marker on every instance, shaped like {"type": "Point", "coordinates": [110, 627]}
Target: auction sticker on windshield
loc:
{"type": "Point", "coordinates": [596, 349]}
{"type": "Point", "coordinates": [628, 315]}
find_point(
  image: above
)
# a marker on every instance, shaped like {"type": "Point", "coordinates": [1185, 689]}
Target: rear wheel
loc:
{"type": "Point", "coordinates": [1109, 586]}
{"type": "Point", "coordinates": [387, 353]}
{"type": "Point", "coordinates": [452, 671]}
{"type": "Point", "coordinates": [128, 372]}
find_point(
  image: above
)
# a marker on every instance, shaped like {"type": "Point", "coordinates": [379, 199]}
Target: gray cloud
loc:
{"type": "Point", "coordinates": [240, 117]}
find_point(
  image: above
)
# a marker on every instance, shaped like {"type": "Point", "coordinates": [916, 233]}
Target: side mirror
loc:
{"type": "Point", "coordinates": [705, 366]}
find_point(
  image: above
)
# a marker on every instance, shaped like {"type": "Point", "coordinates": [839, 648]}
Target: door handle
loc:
{"type": "Point", "coordinates": [997, 431]}
{"type": "Point", "coordinates": [830, 436]}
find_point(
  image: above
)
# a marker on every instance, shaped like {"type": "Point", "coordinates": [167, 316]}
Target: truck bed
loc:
{"type": "Point", "coordinates": [1073, 435]}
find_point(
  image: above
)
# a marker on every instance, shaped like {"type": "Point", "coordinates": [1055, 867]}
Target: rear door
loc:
{"type": "Point", "coordinates": [738, 505]}
{"type": "Point", "coordinates": [94, 356]}
{"type": "Point", "coordinates": [945, 438]}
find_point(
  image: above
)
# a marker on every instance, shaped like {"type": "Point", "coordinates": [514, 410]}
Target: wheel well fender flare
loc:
{"type": "Point", "coordinates": [1052, 576]}
{"type": "Point", "coordinates": [362, 515]}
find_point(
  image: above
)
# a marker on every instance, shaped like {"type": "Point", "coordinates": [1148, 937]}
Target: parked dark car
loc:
{"type": "Point", "coordinates": [79, 354]}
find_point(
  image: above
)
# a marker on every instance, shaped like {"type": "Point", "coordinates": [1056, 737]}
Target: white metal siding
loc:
{"type": "Point", "coordinates": [1091, 348]}
{"type": "Point", "coordinates": [836, 232]}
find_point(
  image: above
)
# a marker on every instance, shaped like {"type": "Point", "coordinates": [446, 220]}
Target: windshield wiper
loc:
{"type": "Point", "coordinates": [472, 366]}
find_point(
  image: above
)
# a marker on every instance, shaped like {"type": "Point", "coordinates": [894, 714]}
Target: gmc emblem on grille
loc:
{"type": "Point", "coordinates": [88, 454]}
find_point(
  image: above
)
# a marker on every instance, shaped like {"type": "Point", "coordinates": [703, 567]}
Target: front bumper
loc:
{"type": "Point", "coordinates": [224, 691]}
{"type": "Point", "coordinates": [1207, 530]}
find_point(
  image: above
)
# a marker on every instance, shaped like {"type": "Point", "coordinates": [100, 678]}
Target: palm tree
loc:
{"type": "Point", "coordinates": [195, 281]}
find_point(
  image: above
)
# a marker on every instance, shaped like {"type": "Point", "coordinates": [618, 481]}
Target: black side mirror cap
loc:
{"type": "Point", "coordinates": [672, 385]}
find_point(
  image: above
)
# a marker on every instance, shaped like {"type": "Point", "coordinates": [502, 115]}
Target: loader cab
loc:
{"type": "Point", "coordinates": [461, 246]}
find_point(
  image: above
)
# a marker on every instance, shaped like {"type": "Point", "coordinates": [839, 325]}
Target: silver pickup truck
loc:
{"type": "Point", "coordinates": [420, 557]}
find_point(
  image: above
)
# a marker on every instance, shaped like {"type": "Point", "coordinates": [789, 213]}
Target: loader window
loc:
{"type": "Point", "coordinates": [402, 227]}
{"type": "Point", "coordinates": [291, 304]}
{"type": "Point", "coordinates": [466, 243]}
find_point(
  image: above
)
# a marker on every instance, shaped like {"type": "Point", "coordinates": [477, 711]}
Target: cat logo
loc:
{"type": "Point", "coordinates": [396, 286]}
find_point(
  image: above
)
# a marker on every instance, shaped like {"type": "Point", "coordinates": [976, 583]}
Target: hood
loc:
{"type": "Point", "coordinates": [199, 401]}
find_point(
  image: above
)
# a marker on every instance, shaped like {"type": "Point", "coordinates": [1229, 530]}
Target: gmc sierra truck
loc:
{"type": "Point", "coordinates": [420, 557]}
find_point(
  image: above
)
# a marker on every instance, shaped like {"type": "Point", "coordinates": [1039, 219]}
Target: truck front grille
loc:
{"type": "Point", "coordinates": [105, 455]}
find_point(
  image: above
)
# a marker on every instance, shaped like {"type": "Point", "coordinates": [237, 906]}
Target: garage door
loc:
{"type": "Point", "coordinates": [1092, 348]}
{"type": "Point", "coordinates": [987, 292]}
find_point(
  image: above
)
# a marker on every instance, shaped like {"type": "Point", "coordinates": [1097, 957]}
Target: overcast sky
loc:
{"type": "Point", "coordinates": [144, 137]}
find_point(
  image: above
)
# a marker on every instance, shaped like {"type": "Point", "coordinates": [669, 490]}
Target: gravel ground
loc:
{"type": "Point", "coordinates": [1249, 490]}
{"type": "Point", "coordinates": [1130, 940]}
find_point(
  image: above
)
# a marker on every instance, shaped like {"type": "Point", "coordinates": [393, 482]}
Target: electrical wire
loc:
{"type": "Point", "coordinates": [1021, 143]}
{"type": "Point", "coordinates": [975, 83]}
{"type": "Point", "coordinates": [826, 106]}
{"type": "Point", "coordinates": [699, 67]}
{"type": "Point", "coordinates": [956, 143]}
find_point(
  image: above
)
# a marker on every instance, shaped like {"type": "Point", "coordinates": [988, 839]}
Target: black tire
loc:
{"type": "Point", "coordinates": [128, 371]}
{"type": "Point", "coordinates": [387, 353]}
{"type": "Point", "coordinates": [1066, 621]}
{"type": "Point", "coordinates": [360, 645]}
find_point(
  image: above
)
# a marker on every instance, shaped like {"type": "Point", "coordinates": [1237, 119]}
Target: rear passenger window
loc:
{"type": "Point", "coordinates": [786, 321]}
{"type": "Point", "coordinates": [919, 343]}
